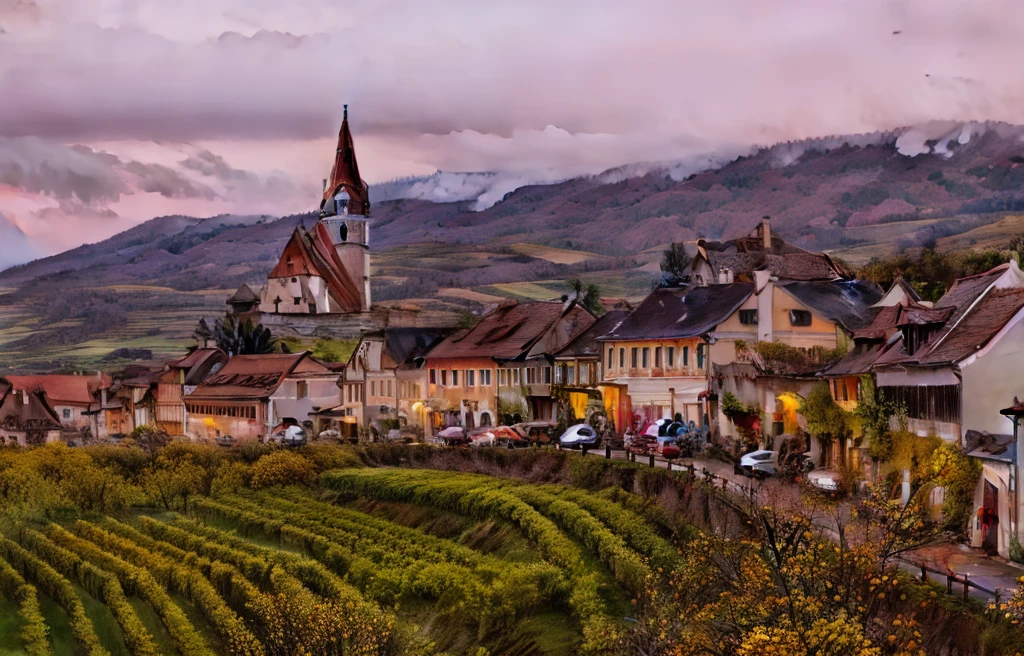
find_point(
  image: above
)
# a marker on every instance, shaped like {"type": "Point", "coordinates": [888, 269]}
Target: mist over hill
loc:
{"type": "Point", "coordinates": [857, 196]}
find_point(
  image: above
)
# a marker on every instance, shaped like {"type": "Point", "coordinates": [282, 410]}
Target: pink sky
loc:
{"type": "Point", "coordinates": [119, 110]}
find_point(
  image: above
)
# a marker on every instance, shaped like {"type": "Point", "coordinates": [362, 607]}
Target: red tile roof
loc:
{"type": "Point", "coordinates": [63, 389]}
{"type": "Point", "coordinates": [313, 254]}
{"type": "Point", "coordinates": [976, 328]}
{"type": "Point", "coordinates": [512, 329]}
{"type": "Point", "coordinates": [253, 377]}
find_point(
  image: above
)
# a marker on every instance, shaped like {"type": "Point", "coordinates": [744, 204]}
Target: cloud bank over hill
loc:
{"type": "Point", "coordinates": [214, 106]}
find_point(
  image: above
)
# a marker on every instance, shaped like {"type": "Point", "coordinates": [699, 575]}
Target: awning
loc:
{"type": "Point", "coordinates": [913, 377]}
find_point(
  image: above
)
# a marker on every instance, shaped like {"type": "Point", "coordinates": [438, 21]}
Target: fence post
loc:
{"type": "Point", "coordinates": [650, 459]}
{"type": "Point", "coordinates": [607, 451]}
{"type": "Point", "coordinates": [725, 483]}
{"type": "Point", "coordinates": [583, 449]}
{"type": "Point", "coordinates": [949, 584]}
{"type": "Point", "coordinates": [967, 587]}
{"type": "Point", "coordinates": [924, 574]}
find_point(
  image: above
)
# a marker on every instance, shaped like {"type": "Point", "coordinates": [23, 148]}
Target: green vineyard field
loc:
{"type": "Point", "coordinates": [296, 571]}
{"type": "Point", "coordinates": [394, 550]}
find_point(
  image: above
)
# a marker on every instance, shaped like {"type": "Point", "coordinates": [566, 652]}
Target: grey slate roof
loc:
{"type": "Point", "coordinates": [674, 312]}
{"type": "Point", "coordinates": [586, 345]}
{"type": "Point", "coordinates": [847, 302]}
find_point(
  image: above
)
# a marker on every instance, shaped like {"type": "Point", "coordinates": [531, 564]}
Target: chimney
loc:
{"type": "Point", "coordinates": [766, 232]}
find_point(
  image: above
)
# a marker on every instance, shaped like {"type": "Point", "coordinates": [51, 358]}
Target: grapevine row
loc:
{"type": "Point", "coordinates": [51, 582]}
{"type": "Point", "coordinates": [33, 630]}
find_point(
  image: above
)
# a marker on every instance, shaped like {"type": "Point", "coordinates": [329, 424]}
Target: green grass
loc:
{"type": "Point", "coordinates": [153, 624]}
{"type": "Point", "coordinates": [10, 626]}
{"type": "Point", "coordinates": [62, 641]}
{"type": "Point", "coordinates": [103, 621]}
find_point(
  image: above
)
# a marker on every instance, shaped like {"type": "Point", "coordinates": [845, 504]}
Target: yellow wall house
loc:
{"type": "Point", "coordinates": [811, 317]}
{"type": "Point", "coordinates": [659, 354]}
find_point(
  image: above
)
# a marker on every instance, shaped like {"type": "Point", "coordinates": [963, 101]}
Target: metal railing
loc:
{"type": "Point", "coordinates": [952, 579]}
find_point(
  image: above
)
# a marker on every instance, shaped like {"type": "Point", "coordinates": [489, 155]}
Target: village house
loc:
{"type": "Point", "coordinates": [251, 395]}
{"type": "Point", "coordinates": [869, 343]}
{"type": "Point", "coordinates": [26, 418]}
{"type": "Point", "coordinates": [658, 355]}
{"type": "Point", "coordinates": [997, 496]}
{"type": "Point", "coordinates": [500, 369]}
{"type": "Point", "coordinates": [948, 364]}
{"type": "Point", "coordinates": [385, 377]}
{"type": "Point", "coordinates": [179, 379]}
{"type": "Point", "coordinates": [806, 302]}
{"type": "Point", "coordinates": [579, 381]}
{"type": "Point", "coordinates": [76, 399]}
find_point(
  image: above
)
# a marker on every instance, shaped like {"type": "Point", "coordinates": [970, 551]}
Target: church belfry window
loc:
{"type": "Point", "coordinates": [343, 232]}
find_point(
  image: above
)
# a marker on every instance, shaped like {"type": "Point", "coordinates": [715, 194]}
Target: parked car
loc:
{"type": "Point", "coordinates": [759, 463]}
{"type": "Point", "coordinates": [578, 436]}
{"type": "Point", "coordinates": [290, 436]}
{"type": "Point", "coordinates": [537, 432]}
{"type": "Point", "coordinates": [827, 480]}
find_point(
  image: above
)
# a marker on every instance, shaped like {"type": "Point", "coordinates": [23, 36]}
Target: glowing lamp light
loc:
{"type": "Point", "coordinates": [209, 422]}
{"type": "Point", "coordinates": [416, 407]}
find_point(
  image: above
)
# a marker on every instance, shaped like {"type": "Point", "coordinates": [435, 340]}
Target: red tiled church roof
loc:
{"type": "Point", "coordinates": [312, 254]}
{"type": "Point", "coordinates": [345, 174]}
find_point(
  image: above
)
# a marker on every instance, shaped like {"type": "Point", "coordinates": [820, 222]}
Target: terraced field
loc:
{"type": "Point", "coordinates": [374, 561]}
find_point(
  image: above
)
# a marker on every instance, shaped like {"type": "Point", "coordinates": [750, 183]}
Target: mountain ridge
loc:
{"type": "Point", "coordinates": [856, 197]}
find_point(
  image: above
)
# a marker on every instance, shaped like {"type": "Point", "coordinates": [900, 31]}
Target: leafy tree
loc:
{"type": "Point", "coordinates": [826, 421]}
{"type": "Point", "coordinates": [875, 414]}
{"type": "Point", "coordinates": [588, 296]}
{"type": "Point", "coordinates": [675, 263]}
{"type": "Point", "coordinates": [930, 272]}
{"type": "Point", "coordinates": [238, 336]}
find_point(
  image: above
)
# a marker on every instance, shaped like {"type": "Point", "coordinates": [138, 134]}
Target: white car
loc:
{"type": "Point", "coordinates": [291, 436]}
{"type": "Point", "coordinates": [759, 463]}
{"type": "Point", "coordinates": [824, 479]}
{"type": "Point", "coordinates": [578, 436]}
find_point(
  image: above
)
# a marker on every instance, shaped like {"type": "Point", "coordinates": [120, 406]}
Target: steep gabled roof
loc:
{"type": "Point", "coordinates": [244, 294]}
{"type": "Point", "coordinates": [63, 389]}
{"type": "Point", "coordinates": [345, 174]}
{"type": "Point", "coordinates": [312, 254]}
{"type": "Point", "coordinates": [404, 345]}
{"type": "Point", "coordinates": [511, 330]}
{"type": "Point", "coordinates": [36, 414]}
{"type": "Point", "coordinates": [256, 377]}
{"type": "Point", "coordinates": [846, 302]}
{"type": "Point", "coordinates": [586, 344]}
{"type": "Point", "coordinates": [975, 309]}
{"type": "Point", "coordinates": [198, 364]}
{"type": "Point", "coordinates": [978, 326]}
{"type": "Point", "coordinates": [675, 312]}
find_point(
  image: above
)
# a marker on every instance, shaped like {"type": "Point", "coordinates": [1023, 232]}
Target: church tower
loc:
{"type": "Point", "coordinates": [345, 212]}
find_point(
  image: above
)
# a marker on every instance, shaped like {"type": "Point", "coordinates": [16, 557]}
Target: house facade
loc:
{"type": "Point", "coordinates": [501, 370]}
{"type": "Point", "coordinates": [250, 396]}
{"type": "Point", "coordinates": [26, 419]}
{"type": "Point", "coordinates": [179, 379]}
{"type": "Point", "coordinates": [947, 365]}
{"type": "Point", "coordinates": [659, 355]}
{"type": "Point", "coordinates": [579, 382]}
{"type": "Point", "coordinates": [76, 399]}
{"type": "Point", "coordinates": [386, 378]}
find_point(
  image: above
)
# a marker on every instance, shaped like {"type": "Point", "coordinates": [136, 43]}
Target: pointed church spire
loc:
{"type": "Point", "coordinates": [345, 176]}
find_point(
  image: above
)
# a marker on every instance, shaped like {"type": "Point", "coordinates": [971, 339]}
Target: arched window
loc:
{"type": "Point", "coordinates": [343, 232]}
